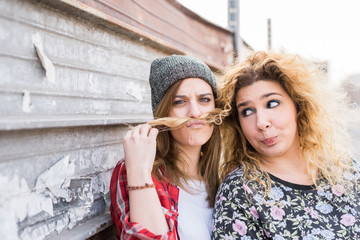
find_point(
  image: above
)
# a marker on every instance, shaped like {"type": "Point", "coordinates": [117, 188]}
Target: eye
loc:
{"type": "Point", "coordinates": [247, 112]}
{"type": "Point", "coordinates": [204, 99]}
{"type": "Point", "coordinates": [272, 103]}
{"type": "Point", "coordinates": [178, 102]}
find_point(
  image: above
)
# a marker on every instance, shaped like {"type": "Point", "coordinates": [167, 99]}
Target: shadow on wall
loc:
{"type": "Point", "coordinates": [106, 234]}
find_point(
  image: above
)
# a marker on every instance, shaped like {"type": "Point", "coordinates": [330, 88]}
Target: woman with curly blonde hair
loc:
{"type": "Point", "coordinates": [287, 171]}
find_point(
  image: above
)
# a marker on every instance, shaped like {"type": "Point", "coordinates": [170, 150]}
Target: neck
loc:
{"type": "Point", "coordinates": [290, 168]}
{"type": "Point", "coordinates": [191, 156]}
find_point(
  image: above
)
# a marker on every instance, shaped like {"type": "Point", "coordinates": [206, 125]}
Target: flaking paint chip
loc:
{"type": "Point", "coordinates": [45, 61]}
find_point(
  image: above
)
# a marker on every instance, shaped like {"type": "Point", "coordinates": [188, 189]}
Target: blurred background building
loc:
{"type": "Point", "coordinates": [351, 85]}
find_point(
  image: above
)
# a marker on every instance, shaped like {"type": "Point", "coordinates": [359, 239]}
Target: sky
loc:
{"type": "Point", "coordinates": [322, 30]}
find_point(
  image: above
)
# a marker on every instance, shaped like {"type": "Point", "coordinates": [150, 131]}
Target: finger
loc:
{"type": "Point", "coordinates": [128, 134]}
{"type": "Point", "coordinates": [153, 133]}
{"type": "Point", "coordinates": [136, 131]}
{"type": "Point", "coordinates": [145, 129]}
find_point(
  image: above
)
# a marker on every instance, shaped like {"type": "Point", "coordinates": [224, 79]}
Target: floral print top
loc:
{"type": "Point", "coordinates": [289, 211]}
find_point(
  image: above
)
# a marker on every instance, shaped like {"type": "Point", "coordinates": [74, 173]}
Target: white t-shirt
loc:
{"type": "Point", "coordinates": [195, 217]}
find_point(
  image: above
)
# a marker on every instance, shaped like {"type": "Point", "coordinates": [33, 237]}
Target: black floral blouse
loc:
{"type": "Point", "coordinates": [289, 211]}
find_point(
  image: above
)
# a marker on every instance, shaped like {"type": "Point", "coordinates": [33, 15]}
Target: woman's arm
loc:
{"type": "Point", "coordinates": [145, 207]}
{"type": "Point", "coordinates": [120, 211]}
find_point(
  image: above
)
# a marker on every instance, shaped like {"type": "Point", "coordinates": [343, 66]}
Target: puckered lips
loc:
{"type": "Point", "coordinates": [269, 141]}
{"type": "Point", "coordinates": [195, 124]}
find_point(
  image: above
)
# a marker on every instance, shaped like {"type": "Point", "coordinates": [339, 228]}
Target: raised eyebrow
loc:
{"type": "Point", "coordinates": [200, 95]}
{"type": "Point", "coordinates": [205, 94]}
{"type": "Point", "coordinates": [242, 104]}
{"type": "Point", "coordinates": [270, 94]}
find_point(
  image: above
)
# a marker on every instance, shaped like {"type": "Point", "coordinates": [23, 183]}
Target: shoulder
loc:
{"type": "Point", "coordinates": [352, 173]}
{"type": "Point", "coordinates": [233, 183]}
{"type": "Point", "coordinates": [234, 177]}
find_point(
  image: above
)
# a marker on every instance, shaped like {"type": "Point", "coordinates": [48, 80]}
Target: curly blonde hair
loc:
{"type": "Point", "coordinates": [321, 133]}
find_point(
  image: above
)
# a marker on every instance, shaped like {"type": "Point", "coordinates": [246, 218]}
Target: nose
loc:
{"type": "Point", "coordinates": [194, 110]}
{"type": "Point", "coordinates": [263, 121]}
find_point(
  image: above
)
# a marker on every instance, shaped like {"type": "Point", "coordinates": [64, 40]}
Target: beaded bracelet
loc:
{"type": "Point", "coordinates": [147, 185]}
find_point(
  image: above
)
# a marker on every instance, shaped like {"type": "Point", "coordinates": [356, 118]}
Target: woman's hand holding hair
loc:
{"type": "Point", "coordinates": [140, 149]}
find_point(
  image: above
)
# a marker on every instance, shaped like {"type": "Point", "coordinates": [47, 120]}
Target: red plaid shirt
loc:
{"type": "Point", "coordinates": [168, 195]}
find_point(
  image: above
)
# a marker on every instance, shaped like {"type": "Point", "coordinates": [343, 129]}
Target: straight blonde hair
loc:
{"type": "Point", "coordinates": [167, 157]}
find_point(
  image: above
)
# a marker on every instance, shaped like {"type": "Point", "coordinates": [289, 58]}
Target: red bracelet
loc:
{"type": "Point", "coordinates": [147, 185]}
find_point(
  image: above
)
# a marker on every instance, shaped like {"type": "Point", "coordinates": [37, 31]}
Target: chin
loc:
{"type": "Point", "coordinates": [198, 142]}
{"type": "Point", "coordinates": [268, 152]}
{"type": "Point", "coordinates": [192, 137]}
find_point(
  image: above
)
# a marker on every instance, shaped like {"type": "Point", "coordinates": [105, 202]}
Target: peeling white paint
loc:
{"type": "Point", "coordinates": [79, 213]}
{"type": "Point", "coordinates": [38, 232]}
{"type": "Point", "coordinates": [21, 201]}
{"type": "Point", "coordinates": [55, 183]}
{"type": "Point", "coordinates": [66, 221]}
{"type": "Point", "coordinates": [72, 218]}
{"type": "Point", "coordinates": [83, 164]}
{"type": "Point", "coordinates": [104, 183]}
{"type": "Point", "coordinates": [85, 193]}
{"type": "Point", "coordinates": [14, 206]}
{"type": "Point", "coordinates": [61, 224]}
{"type": "Point", "coordinates": [26, 102]}
{"type": "Point", "coordinates": [56, 177]}
{"type": "Point", "coordinates": [135, 90]}
{"type": "Point", "coordinates": [45, 61]}
{"type": "Point", "coordinates": [8, 226]}
{"type": "Point", "coordinates": [38, 203]}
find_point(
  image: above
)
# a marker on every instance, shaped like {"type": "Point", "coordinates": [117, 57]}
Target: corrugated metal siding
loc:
{"type": "Point", "coordinates": [55, 167]}
{"type": "Point", "coordinates": [96, 72]}
{"type": "Point", "coordinates": [54, 179]}
{"type": "Point", "coordinates": [62, 122]}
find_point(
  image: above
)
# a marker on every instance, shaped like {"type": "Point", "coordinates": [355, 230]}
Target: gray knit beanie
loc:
{"type": "Point", "coordinates": [166, 71]}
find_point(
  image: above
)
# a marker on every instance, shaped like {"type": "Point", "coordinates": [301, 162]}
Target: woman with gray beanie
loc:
{"type": "Point", "coordinates": [165, 186]}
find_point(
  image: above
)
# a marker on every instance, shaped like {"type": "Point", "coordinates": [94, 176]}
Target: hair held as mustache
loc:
{"type": "Point", "coordinates": [171, 123]}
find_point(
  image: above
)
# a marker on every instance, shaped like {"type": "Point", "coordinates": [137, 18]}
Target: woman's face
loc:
{"type": "Point", "coordinates": [267, 117]}
{"type": "Point", "coordinates": [193, 98]}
